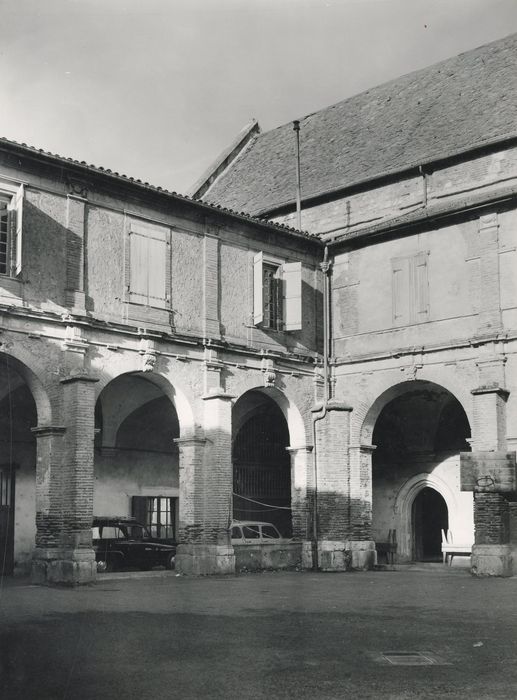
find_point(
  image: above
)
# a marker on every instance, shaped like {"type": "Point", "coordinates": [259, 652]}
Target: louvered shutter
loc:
{"type": "Point", "coordinates": [421, 287]}
{"type": "Point", "coordinates": [258, 304]}
{"type": "Point", "coordinates": [400, 290]}
{"type": "Point", "coordinates": [18, 206]}
{"type": "Point", "coordinates": [292, 293]}
{"type": "Point", "coordinates": [157, 250]}
{"type": "Point", "coordinates": [138, 268]}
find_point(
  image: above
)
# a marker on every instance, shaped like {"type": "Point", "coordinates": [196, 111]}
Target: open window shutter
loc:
{"type": "Point", "coordinates": [158, 251]}
{"type": "Point", "coordinates": [400, 290]}
{"type": "Point", "coordinates": [258, 304]}
{"type": "Point", "coordinates": [139, 508]}
{"type": "Point", "coordinates": [292, 292]}
{"type": "Point", "coordinates": [421, 287]}
{"type": "Point", "coordinates": [18, 206]}
{"type": "Point", "coordinates": [138, 268]}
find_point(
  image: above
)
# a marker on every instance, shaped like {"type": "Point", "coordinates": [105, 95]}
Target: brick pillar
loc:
{"type": "Point", "coordinates": [206, 485]}
{"type": "Point", "coordinates": [64, 490]}
{"type": "Point", "coordinates": [361, 544]}
{"type": "Point", "coordinates": [491, 553]}
{"type": "Point", "coordinates": [341, 511]}
{"type": "Point", "coordinates": [301, 483]}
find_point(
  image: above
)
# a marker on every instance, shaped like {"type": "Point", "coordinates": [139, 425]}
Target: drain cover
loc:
{"type": "Point", "coordinates": [409, 658]}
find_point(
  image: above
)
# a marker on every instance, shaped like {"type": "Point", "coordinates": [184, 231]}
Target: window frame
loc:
{"type": "Point", "coordinates": [410, 289]}
{"type": "Point", "coordinates": [13, 194]}
{"type": "Point", "coordinates": [279, 307]}
{"type": "Point", "coordinates": [148, 232]}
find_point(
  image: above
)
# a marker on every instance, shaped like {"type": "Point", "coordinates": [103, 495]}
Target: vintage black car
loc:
{"type": "Point", "coordinates": [121, 543]}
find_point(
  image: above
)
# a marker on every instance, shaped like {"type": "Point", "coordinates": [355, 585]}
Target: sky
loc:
{"type": "Point", "coordinates": [156, 89]}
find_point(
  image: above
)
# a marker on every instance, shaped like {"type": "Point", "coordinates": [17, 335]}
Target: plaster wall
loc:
{"type": "Point", "coordinates": [374, 203]}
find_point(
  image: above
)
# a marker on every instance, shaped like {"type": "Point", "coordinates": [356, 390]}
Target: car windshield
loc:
{"type": "Point", "coordinates": [135, 532]}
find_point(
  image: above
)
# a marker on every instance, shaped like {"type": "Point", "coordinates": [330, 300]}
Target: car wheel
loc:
{"type": "Point", "coordinates": [170, 561]}
{"type": "Point", "coordinates": [103, 566]}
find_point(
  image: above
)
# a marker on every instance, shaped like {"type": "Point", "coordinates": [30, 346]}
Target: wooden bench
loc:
{"type": "Point", "coordinates": [450, 549]}
{"type": "Point", "coordinates": [388, 548]}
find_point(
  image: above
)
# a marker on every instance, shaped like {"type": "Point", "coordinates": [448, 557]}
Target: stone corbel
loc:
{"type": "Point", "coordinates": [148, 353]}
{"type": "Point", "coordinates": [267, 368]}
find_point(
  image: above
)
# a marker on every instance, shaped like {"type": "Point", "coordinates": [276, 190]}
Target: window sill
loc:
{"type": "Point", "coordinates": [149, 314]}
{"type": "Point", "coordinates": [10, 290]}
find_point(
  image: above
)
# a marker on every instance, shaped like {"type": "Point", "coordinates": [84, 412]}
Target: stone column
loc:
{"type": "Point", "coordinates": [206, 486]}
{"type": "Point", "coordinates": [301, 482]}
{"type": "Point", "coordinates": [64, 491]}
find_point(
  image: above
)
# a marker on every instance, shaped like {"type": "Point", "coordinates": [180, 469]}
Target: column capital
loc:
{"type": "Point", "coordinates": [191, 440]}
{"type": "Point", "coordinates": [218, 395]}
{"type": "Point", "coordinates": [495, 389]}
{"type": "Point", "coordinates": [300, 448]}
{"type": "Point", "coordinates": [45, 430]}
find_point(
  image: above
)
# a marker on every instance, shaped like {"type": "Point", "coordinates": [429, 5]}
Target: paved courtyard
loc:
{"type": "Point", "coordinates": [393, 634]}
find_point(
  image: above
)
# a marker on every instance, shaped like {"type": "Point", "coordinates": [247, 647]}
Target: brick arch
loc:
{"type": "Point", "coordinates": [295, 424]}
{"type": "Point", "coordinates": [366, 413]}
{"type": "Point", "coordinates": [173, 392]}
{"type": "Point", "coordinates": [36, 386]}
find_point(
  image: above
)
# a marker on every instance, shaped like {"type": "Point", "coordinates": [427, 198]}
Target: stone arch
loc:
{"type": "Point", "coordinates": [291, 412]}
{"type": "Point", "coordinates": [365, 415]}
{"type": "Point", "coordinates": [173, 392]}
{"type": "Point", "coordinates": [35, 384]}
{"type": "Point", "coordinates": [404, 503]}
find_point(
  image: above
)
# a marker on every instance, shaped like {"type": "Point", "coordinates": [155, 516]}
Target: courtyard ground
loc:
{"type": "Point", "coordinates": [391, 634]}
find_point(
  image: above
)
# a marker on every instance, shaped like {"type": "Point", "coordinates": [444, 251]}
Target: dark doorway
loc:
{"type": "Point", "coordinates": [6, 520]}
{"type": "Point", "coordinates": [430, 517]}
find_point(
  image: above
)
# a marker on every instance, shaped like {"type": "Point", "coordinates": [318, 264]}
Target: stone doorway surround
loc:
{"type": "Point", "coordinates": [403, 507]}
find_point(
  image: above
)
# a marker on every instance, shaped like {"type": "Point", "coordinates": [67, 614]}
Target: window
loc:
{"type": "Point", "coordinates": [158, 513]}
{"type": "Point", "coordinates": [149, 265]}
{"type": "Point", "coordinates": [410, 289]}
{"type": "Point", "coordinates": [11, 202]}
{"type": "Point", "coordinates": [277, 294]}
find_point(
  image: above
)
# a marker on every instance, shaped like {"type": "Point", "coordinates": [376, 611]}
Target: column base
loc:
{"type": "Point", "coordinates": [204, 559]}
{"type": "Point", "coordinates": [363, 554]}
{"type": "Point", "coordinates": [491, 560]}
{"type": "Point", "coordinates": [63, 567]}
{"type": "Point", "coordinates": [333, 555]}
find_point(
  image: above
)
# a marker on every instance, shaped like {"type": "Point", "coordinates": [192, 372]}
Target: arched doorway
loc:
{"type": "Point", "coordinates": [17, 469]}
{"type": "Point", "coordinates": [261, 462]}
{"type": "Point", "coordinates": [136, 457]}
{"type": "Point", "coordinates": [419, 430]}
{"type": "Point", "coordinates": [429, 517]}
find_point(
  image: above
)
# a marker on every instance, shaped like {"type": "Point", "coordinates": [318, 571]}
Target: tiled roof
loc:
{"type": "Point", "coordinates": [114, 176]}
{"type": "Point", "coordinates": [451, 107]}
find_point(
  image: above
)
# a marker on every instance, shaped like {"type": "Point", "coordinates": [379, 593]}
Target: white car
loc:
{"type": "Point", "coordinates": [254, 532]}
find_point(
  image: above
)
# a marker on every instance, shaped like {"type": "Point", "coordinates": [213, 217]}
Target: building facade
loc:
{"type": "Point", "coordinates": [169, 358]}
{"type": "Point", "coordinates": [412, 186]}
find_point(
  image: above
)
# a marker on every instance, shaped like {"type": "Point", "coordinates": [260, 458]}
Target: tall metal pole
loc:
{"type": "Point", "coordinates": [296, 129]}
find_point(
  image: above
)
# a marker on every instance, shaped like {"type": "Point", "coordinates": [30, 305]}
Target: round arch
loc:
{"type": "Point", "coordinates": [173, 392]}
{"type": "Point", "coordinates": [404, 503]}
{"type": "Point", "coordinates": [36, 386]}
{"type": "Point", "coordinates": [366, 416]}
{"type": "Point", "coordinates": [292, 415]}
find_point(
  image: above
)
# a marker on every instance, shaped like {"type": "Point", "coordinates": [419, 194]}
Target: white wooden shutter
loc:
{"type": "Point", "coordinates": [157, 250]}
{"type": "Point", "coordinates": [138, 268]}
{"type": "Point", "coordinates": [148, 256]}
{"type": "Point", "coordinates": [292, 293]}
{"type": "Point", "coordinates": [400, 290]}
{"type": "Point", "coordinates": [421, 287]}
{"type": "Point", "coordinates": [18, 205]}
{"type": "Point", "coordinates": [258, 304]}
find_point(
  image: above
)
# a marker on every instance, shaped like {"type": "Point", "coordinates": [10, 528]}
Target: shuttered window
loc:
{"type": "Point", "coordinates": [148, 263]}
{"type": "Point", "coordinates": [277, 294]}
{"type": "Point", "coordinates": [410, 289]}
{"type": "Point", "coordinates": [11, 219]}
